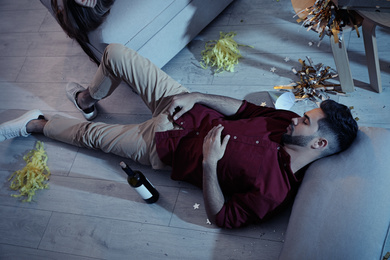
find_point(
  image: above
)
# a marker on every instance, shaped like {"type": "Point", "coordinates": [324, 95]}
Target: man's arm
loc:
{"type": "Point", "coordinates": [225, 105]}
{"type": "Point", "coordinates": [213, 151]}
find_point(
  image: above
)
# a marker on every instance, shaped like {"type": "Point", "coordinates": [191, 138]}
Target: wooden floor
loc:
{"type": "Point", "coordinates": [90, 212]}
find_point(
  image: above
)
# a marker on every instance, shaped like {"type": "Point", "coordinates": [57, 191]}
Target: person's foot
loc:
{"type": "Point", "coordinates": [72, 91]}
{"type": "Point", "coordinates": [17, 127]}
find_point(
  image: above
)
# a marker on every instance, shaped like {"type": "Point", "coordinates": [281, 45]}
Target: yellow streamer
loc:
{"type": "Point", "coordinates": [223, 54]}
{"type": "Point", "coordinates": [33, 176]}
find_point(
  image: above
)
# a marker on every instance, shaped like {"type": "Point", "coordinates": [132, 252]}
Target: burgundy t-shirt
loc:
{"type": "Point", "coordinates": [254, 173]}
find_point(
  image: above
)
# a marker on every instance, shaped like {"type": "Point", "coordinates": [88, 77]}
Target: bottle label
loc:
{"type": "Point", "coordinates": [144, 192]}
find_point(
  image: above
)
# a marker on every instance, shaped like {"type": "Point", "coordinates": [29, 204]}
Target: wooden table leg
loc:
{"type": "Point", "coordinates": [341, 60]}
{"type": "Point", "coordinates": [370, 46]}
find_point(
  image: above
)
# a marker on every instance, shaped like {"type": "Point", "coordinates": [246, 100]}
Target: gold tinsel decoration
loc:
{"type": "Point", "coordinates": [312, 82]}
{"type": "Point", "coordinates": [326, 18]}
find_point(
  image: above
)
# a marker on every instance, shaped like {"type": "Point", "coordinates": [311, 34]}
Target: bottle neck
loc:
{"type": "Point", "coordinates": [127, 169]}
{"type": "Point", "coordinates": [129, 172]}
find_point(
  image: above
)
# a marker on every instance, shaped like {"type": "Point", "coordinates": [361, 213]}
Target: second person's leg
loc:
{"type": "Point", "coordinates": [153, 85]}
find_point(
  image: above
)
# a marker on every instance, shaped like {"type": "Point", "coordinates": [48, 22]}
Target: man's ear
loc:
{"type": "Point", "coordinates": [320, 143]}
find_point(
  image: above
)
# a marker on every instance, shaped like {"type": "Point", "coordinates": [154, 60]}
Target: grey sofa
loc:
{"type": "Point", "coordinates": [157, 29]}
{"type": "Point", "coordinates": [342, 209]}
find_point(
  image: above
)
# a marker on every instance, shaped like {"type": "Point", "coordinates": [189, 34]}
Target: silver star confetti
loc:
{"type": "Point", "coordinates": [273, 69]}
{"type": "Point", "coordinates": [208, 222]}
{"type": "Point", "coordinates": [263, 104]}
{"type": "Point", "coordinates": [287, 59]}
{"type": "Point", "coordinates": [196, 206]}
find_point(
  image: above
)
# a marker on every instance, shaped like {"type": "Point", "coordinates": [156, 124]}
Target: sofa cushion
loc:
{"type": "Point", "coordinates": [342, 209]}
{"type": "Point", "coordinates": [135, 22]}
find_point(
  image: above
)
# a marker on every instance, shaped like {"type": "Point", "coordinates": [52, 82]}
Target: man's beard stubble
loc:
{"type": "Point", "coordinates": [299, 140]}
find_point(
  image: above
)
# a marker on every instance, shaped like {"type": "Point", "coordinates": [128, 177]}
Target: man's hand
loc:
{"type": "Point", "coordinates": [213, 148]}
{"type": "Point", "coordinates": [213, 151]}
{"type": "Point", "coordinates": [181, 104]}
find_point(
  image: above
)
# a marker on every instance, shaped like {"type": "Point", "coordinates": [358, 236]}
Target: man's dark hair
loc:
{"type": "Point", "coordinates": [338, 125]}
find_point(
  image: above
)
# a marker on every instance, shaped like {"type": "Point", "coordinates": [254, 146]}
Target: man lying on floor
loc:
{"type": "Point", "coordinates": [245, 157]}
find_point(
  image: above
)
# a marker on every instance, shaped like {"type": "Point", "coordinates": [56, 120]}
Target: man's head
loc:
{"type": "Point", "coordinates": [330, 128]}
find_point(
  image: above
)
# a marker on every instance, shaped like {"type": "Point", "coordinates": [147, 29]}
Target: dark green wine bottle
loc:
{"type": "Point", "coordinates": [141, 184]}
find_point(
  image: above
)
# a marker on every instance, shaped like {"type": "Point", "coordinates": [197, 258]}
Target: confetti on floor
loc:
{"type": "Point", "coordinates": [33, 176]}
{"type": "Point", "coordinates": [196, 206]}
{"type": "Point", "coordinates": [223, 53]}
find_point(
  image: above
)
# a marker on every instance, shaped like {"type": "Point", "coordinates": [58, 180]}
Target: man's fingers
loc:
{"type": "Point", "coordinates": [178, 112]}
{"type": "Point", "coordinates": [215, 132]}
{"type": "Point", "coordinates": [173, 109]}
{"type": "Point", "coordinates": [225, 141]}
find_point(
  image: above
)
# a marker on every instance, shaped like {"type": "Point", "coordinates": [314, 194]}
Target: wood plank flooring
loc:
{"type": "Point", "coordinates": [90, 212]}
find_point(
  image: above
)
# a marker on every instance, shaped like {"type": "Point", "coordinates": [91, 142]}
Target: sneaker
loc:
{"type": "Point", "coordinates": [72, 89]}
{"type": "Point", "coordinates": [17, 127]}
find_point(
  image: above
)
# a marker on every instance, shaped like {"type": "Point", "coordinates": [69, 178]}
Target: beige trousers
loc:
{"type": "Point", "coordinates": [136, 141]}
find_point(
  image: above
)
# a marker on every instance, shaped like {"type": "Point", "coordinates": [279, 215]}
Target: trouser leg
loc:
{"type": "Point", "coordinates": [153, 85]}
{"type": "Point", "coordinates": [131, 141]}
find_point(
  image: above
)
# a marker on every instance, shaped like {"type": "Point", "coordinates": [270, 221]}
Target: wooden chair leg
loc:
{"type": "Point", "coordinates": [370, 46]}
{"type": "Point", "coordinates": [342, 65]}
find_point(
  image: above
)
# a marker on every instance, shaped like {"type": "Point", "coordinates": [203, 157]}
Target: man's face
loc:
{"type": "Point", "coordinates": [302, 130]}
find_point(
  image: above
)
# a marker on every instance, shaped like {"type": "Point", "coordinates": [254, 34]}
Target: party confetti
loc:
{"type": "Point", "coordinates": [223, 54]}
{"type": "Point", "coordinates": [287, 59]}
{"type": "Point", "coordinates": [273, 69]}
{"type": "Point", "coordinates": [208, 222]}
{"type": "Point", "coordinates": [196, 206]}
{"type": "Point", "coordinates": [263, 104]}
{"type": "Point", "coordinates": [326, 18]}
{"type": "Point", "coordinates": [33, 176]}
{"type": "Point", "coordinates": [312, 83]}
